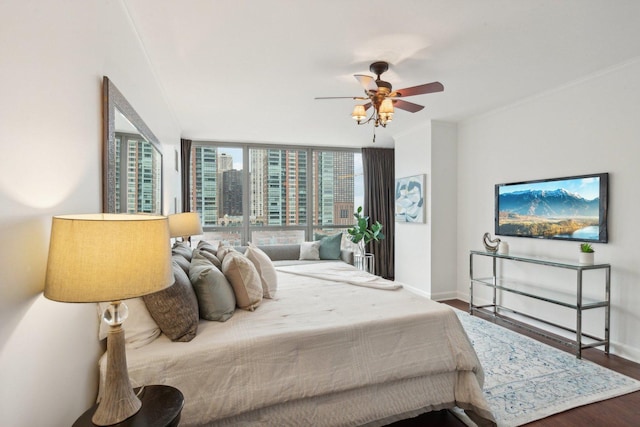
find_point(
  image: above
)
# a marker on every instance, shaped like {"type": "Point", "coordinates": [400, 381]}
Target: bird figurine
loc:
{"type": "Point", "coordinates": [491, 245]}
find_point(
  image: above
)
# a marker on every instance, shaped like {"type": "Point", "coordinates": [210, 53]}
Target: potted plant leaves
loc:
{"type": "Point", "coordinates": [586, 254]}
{"type": "Point", "coordinates": [361, 233]}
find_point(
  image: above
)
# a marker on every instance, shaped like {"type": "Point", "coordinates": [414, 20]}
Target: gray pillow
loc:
{"type": "Point", "coordinates": [211, 257]}
{"type": "Point", "coordinates": [182, 262]}
{"type": "Point", "coordinates": [206, 246]}
{"type": "Point", "coordinates": [175, 309]}
{"type": "Point", "coordinates": [216, 300]}
{"type": "Point", "coordinates": [181, 249]}
{"type": "Point", "coordinates": [329, 245]}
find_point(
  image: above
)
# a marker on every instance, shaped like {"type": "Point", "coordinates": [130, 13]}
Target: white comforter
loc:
{"type": "Point", "coordinates": [315, 339]}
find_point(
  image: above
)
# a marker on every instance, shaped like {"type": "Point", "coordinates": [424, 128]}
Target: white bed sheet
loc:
{"type": "Point", "coordinates": [316, 350]}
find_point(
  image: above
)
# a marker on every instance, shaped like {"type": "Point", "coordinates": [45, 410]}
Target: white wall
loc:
{"type": "Point", "coordinates": [425, 253]}
{"type": "Point", "coordinates": [412, 241]}
{"type": "Point", "coordinates": [587, 127]}
{"type": "Point", "coordinates": [54, 55]}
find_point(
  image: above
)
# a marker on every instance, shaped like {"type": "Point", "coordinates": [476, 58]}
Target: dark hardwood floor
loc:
{"type": "Point", "coordinates": [620, 411]}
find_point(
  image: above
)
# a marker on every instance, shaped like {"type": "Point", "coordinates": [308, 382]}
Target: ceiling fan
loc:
{"type": "Point", "coordinates": [381, 96]}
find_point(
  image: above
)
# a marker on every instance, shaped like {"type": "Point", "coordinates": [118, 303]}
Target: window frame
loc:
{"type": "Point", "coordinates": [246, 229]}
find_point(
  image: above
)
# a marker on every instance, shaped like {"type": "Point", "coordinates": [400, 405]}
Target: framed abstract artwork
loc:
{"type": "Point", "coordinates": [410, 199]}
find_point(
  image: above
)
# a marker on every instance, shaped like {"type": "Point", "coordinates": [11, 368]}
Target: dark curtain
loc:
{"type": "Point", "coordinates": [379, 202]}
{"type": "Point", "coordinates": [185, 162]}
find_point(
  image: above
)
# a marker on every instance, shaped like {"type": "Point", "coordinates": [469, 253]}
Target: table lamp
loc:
{"type": "Point", "coordinates": [185, 225]}
{"type": "Point", "coordinates": [109, 257]}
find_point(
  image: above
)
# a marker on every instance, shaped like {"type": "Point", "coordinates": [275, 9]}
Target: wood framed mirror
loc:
{"type": "Point", "coordinates": [132, 158]}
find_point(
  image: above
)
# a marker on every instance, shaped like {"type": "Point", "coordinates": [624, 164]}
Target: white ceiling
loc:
{"type": "Point", "coordinates": [248, 71]}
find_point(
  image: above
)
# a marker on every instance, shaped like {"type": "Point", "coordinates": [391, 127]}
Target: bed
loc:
{"type": "Point", "coordinates": [335, 347]}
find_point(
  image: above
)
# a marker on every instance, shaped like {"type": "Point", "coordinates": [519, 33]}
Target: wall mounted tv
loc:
{"type": "Point", "coordinates": [570, 208]}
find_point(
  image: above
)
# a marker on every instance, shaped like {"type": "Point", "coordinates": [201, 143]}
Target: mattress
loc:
{"type": "Point", "coordinates": [323, 352]}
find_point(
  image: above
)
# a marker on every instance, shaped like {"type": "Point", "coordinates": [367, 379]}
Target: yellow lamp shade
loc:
{"type": "Point", "coordinates": [185, 224]}
{"type": "Point", "coordinates": [107, 257]}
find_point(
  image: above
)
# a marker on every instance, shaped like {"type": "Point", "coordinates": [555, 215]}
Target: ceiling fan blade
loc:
{"type": "Point", "coordinates": [361, 98]}
{"type": "Point", "coordinates": [367, 106]}
{"type": "Point", "coordinates": [419, 90]}
{"type": "Point", "coordinates": [407, 106]}
{"type": "Point", "coordinates": [367, 82]}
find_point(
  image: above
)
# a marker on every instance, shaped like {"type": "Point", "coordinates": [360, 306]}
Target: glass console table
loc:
{"type": "Point", "coordinates": [573, 301]}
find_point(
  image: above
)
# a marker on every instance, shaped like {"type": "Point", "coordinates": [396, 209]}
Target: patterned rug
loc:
{"type": "Point", "coordinates": [526, 380]}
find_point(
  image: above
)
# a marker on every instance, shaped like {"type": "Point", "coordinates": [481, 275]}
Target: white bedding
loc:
{"type": "Point", "coordinates": [326, 352]}
{"type": "Point", "coordinates": [340, 272]}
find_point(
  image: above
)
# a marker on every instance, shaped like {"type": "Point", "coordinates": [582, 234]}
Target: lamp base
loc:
{"type": "Point", "coordinates": [118, 402]}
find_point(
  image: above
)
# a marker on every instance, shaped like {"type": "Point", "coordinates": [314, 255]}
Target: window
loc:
{"type": "Point", "coordinates": [289, 193]}
{"type": "Point", "coordinates": [217, 190]}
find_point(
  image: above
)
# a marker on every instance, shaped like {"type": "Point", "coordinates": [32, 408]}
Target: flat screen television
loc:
{"type": "Point", "coordinates": [570, 208]}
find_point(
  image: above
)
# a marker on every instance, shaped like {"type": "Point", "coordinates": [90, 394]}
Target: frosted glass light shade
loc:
{"type": "Point", "coordinates": [386, 110]}
{"type": "Point", "coordinates": [185, 224]}
{"type": "Point", "coordinates": [359, 113]}
{"type": "Point", "coordinates": [107, 257]}
{"type": "Point", "coordinates": [386, 106]}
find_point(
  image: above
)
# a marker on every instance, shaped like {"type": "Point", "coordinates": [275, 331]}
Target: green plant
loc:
{"type": "Point", "coordinates": [361, 233]}
{"type": "Point", "coordinates": [586, 248]}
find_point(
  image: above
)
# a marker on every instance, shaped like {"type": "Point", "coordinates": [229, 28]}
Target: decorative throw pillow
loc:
{"type": "Point", "coordinates": [208, 255]}
{"type": "Point", "coordinates": [175, 309]}
{"type": "Point", "coordinates": [223, 250]}
{"type": "Point", "coordinates": [244, 279]}
{"type": "Point", "coordinates": [181, 261]}
{"type": "Point", "coordinates": [183, 249]}
{"type": "Point", "coordinates": [206, 246]}
{"type": "Point", "coordinates": [310, 250]}
{"type": "Point", "coordinates": [216, 299]}
{"type": "Point", "coordinates": [265, 268]}
{"type": "Point", "coordinates": [139, 328]}
{"type": "Point", "coordinates": [329, 245]}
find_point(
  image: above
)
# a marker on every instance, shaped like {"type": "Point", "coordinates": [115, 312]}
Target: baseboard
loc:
{"type": "Point", "coordinates": [625, 351]}
{"type": "Point", "coordinates": [464, 296]}
{"type": "Point", "coordinates": [441, 296]}
{"type": "Point", "coordinates": [417, 291]}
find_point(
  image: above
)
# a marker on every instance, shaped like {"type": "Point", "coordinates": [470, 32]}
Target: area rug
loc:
{"type": "Point", "coordinates": [526, 380]}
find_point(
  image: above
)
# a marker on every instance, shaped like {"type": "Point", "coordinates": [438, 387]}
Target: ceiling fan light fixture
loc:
{"type": "Point", "coordinates": [382, 99]}
{"type": "Point", "coordinates": [386, 106]}
{"type": "Point", "coordinates": [359, 113]}
{"type": "Point", "coordinates": [386, 111]}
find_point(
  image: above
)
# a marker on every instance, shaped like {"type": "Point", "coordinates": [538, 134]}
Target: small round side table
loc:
{"type": "Point", "coordinates": [161, 407]}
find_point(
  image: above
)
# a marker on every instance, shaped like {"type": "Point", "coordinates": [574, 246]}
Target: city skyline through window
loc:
{"type": "Point", "coordinates": [288, 195]}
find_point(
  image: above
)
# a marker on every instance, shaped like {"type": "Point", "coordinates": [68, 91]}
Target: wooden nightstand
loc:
{"type": "Point", "coordinates": [161, 407]}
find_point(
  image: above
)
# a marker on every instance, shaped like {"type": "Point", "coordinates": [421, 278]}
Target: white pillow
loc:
{"type": "Point", "coordinates": [266, 270]}
{"type": "Point", "coordinates": [223, 250]}
{"type": "Point", "coordinates": [244, 279]}
{"type": "Point", "coordinates": [310, 250]}
{"type": "Point", "coordinates": [139, 327]}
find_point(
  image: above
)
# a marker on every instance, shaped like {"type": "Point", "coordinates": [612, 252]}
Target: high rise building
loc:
{"type": "Point", "coordinates": [258, 185]}
{"type": "Point", "coordinates": [286, 196]}
{"type": "Point", "coordinates": [231, 194]}
{"type": "Point", "coordinates": [141, 174]}
{"type": "Point", "coordinates": [225, 162]}
{"type": "Point", "coordinates": [334, 184]}
{"type": "Point", "coordinates": [343, 187]}
{"type": "Point", "coordinates": [323, 177]}
{"type": "Point", "coordinates": [278, 180]}
{"type": "Point", "coordinates": [204, 182]}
